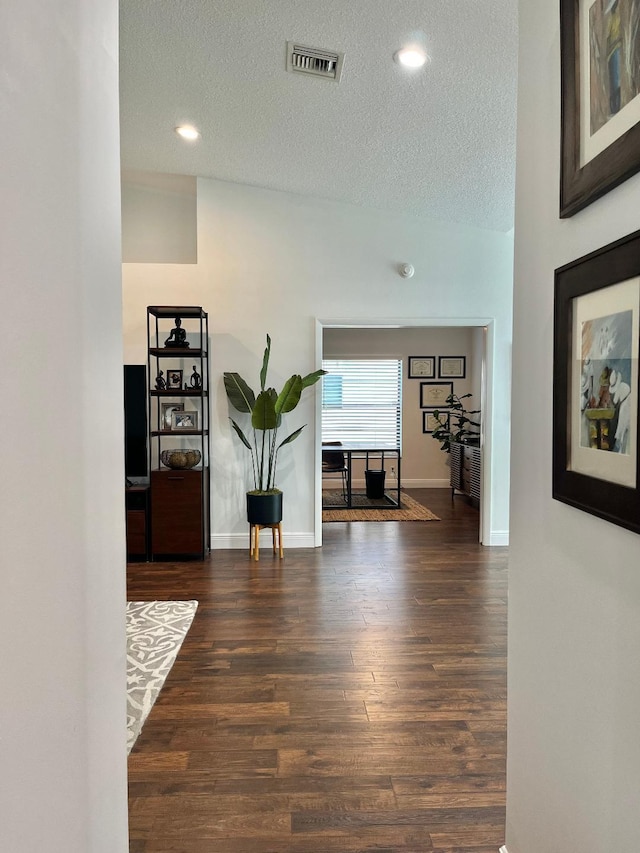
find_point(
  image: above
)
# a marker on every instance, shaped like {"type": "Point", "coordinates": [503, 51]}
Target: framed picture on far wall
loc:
{"type": "Point", "coordinates": [595, 383]}
{"type": "Point", "coordinates": [431, 423]}
{"type": "Point", "coordinates": [452, 366]}
{"type": "Point", "coordinates": [435, 394]}
{"type": "Point", "coordinates": [600, 73]}
{"type": "Point", "coordinates": [422, 367]}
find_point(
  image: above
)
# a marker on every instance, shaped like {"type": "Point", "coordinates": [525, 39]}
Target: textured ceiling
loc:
{"type": "Point", "coordinates": [439, 142]}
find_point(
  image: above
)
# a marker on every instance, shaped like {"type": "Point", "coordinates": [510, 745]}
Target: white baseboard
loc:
{"type": "Point", "coordinates": [405, 484]}
{"type": "Point", "coordinates": [425, 484]}
{"type": "Point", "coordinates": [240, 541]}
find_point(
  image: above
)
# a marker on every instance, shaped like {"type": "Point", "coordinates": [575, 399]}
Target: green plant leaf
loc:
{"type": "Point", "coordinates": [289, 397]}
{"type": "Point", "coordinates": [265, 364]}
{"type": "Point", "coordinates": [291, 437]}
{"type": "Point", "coordinates": [458, 428]}
{"type": "Point", "coordinates": [274, 396]}
{"type": "Point", "coordinates": [240, 395]}
{"type": "Point", "coordinates": [312, 378]}
{"type": "Point", "coordinates": [241, 435]}
{"type": "Point", "coordinates": [267, 411]}
{"type": "Point", "coordinates": [264, 415]}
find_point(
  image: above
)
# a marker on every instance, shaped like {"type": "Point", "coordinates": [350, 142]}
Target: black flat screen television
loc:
{"type": "Point", "coordinates": [135, 420]}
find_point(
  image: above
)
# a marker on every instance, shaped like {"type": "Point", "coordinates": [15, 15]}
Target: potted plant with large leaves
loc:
{"type": "Point", "coordinates": [264, 501]}
{"type": "Point", "coordinates": [455, 425]}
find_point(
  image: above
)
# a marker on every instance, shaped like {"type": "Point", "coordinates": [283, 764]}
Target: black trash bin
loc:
{"type": "Point", "coordinates": [374, 481]}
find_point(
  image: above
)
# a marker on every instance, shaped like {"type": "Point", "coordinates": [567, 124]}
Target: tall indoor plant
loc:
{"type": "Point", "coordinates": [264, 501]}
{"type": "Point", "coordinates": [455, 425]}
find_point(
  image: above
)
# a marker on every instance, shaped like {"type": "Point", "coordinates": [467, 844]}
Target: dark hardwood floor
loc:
{"type": "Point", "coordinates": [350, 698]}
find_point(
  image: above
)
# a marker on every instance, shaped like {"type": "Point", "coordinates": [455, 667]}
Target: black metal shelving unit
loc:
{"type": "Point", "coordinates": [179, 497]}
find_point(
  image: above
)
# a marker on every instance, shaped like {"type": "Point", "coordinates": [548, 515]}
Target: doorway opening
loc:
{"type": "Point", "coordinates": [445, 355]}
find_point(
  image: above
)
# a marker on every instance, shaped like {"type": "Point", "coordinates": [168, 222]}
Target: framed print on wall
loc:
{"type": "Point", "coordinates": [430, 422]}
{"type": "Point", "coordinates": [422, 367]}
{"type": "Point", "coordinates": [595, 383]}
{"type": "Point", "coordinates": [452, 366]}
{"type": "Point", "coordinates": [600, 79]}
{"type": "Point", "coordinates": [434, 394]}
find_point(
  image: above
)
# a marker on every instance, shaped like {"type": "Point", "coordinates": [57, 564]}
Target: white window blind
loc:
{"type": "Point", "coordinates": [362, 401]}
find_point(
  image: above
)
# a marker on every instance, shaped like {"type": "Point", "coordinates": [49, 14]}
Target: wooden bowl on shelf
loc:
{"type": "Point", "coordinates": [180, 459]}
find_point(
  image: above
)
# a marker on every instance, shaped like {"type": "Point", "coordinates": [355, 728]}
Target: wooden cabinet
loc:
{"type": "Point", "coordinates": [466, 471]}
{"type": "Point", "coordinates": [137, 518]}
{"type": "Point", "coordinates": [179, 526]}
{"type": "Point", "coordinates": [177, 345]}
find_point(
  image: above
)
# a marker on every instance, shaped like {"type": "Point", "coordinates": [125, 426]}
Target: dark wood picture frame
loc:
{"type": "Point", "coordinates": [613, 264]}
{"type": "Point", "coordinates": [174, 379]}
{"type": "Point", "coordinates": [421, 367]}
{"type": "Point", "coordinates": [431, 404]}
{"type": "Point", "coordinates": [579, 186]}
{"type": "Point", "coordinates": [444, 374]}
{"type": "Point", "coordinates": [444, 415]}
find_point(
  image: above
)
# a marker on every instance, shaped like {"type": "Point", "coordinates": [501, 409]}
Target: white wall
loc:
{"type": "Point", "coordinates": [159, 218]}
{"type": "Point", "coordinates": [477, 373]}
{"type": "Point", "coordinates": [62, 620]}
{"type": "Point", "coordinates": [273, 262]}
{"type": "Point", "coordinates": [574, 589]}
{"type": "Point", "coordinates": [424, 464]}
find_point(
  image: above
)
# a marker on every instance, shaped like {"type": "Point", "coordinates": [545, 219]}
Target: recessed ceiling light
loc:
{"type": "Point", "coordinates": [187, 131]}
{"type": "Point", "coordinates": [411, 57]}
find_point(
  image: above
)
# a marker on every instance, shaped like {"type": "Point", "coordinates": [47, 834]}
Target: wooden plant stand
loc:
{"type": "Point", "coordinates": [254, 539]}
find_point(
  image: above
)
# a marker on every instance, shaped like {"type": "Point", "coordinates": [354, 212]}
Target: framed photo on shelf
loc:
{"type": "Point", "coordinates": [452, 366]}
{"type": "Point", "coordinates": [595, 383]}
{"type": "Point", "coordinates": [174, 379]}
{"type": "Point", "coordinates": [431, 423]}
{"type": "Point", "coordinates": [434, 394]}
{"type": "Point", "coordinates": [184, 420]}
{"type": "Point", "coordinates": [165, 413]}
{"type": "Point", "coordinates": [600, 79]}
{"type": "Point", "coordinates": [422, 367]}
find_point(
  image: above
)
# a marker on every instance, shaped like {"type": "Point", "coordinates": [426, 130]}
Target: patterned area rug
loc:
{"type": "Point", "coordinates": [410, 509]}
{"type": "Point", "coordinates": [155, 631]}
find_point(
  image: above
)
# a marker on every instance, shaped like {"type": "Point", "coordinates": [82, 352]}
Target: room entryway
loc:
{"type": "Point", "coordinates": [430, 360]}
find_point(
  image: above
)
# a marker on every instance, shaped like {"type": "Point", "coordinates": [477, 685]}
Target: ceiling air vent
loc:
{"type": "Point", "coordinates": [312, 60]}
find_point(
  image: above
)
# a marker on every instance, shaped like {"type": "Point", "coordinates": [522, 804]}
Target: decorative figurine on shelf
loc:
{"type": "Point", "coordinates": [177, 337]}
{"type": "Point", "coordinates": [160, 382]}
{"type": "Point", "coordinates": [196, 379]}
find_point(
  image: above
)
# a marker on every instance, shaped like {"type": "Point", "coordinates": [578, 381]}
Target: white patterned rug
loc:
{"type": "Point", "coordinates": [155, 631]}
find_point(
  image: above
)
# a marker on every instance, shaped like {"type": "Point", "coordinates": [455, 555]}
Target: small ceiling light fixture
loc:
{"type": "Point", "coordinates": [411, 57]}
{"type": "Point", "coordinates": [187, 131]}
{"type": "Point", "coordinates": [406, 270]}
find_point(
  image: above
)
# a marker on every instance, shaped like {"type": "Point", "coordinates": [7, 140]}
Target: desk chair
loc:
{"type": "Point", "coordinates": [333, 462]}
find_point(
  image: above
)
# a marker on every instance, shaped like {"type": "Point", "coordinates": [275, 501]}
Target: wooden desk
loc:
{"type": "Point", "coordinates": [364, 450]}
